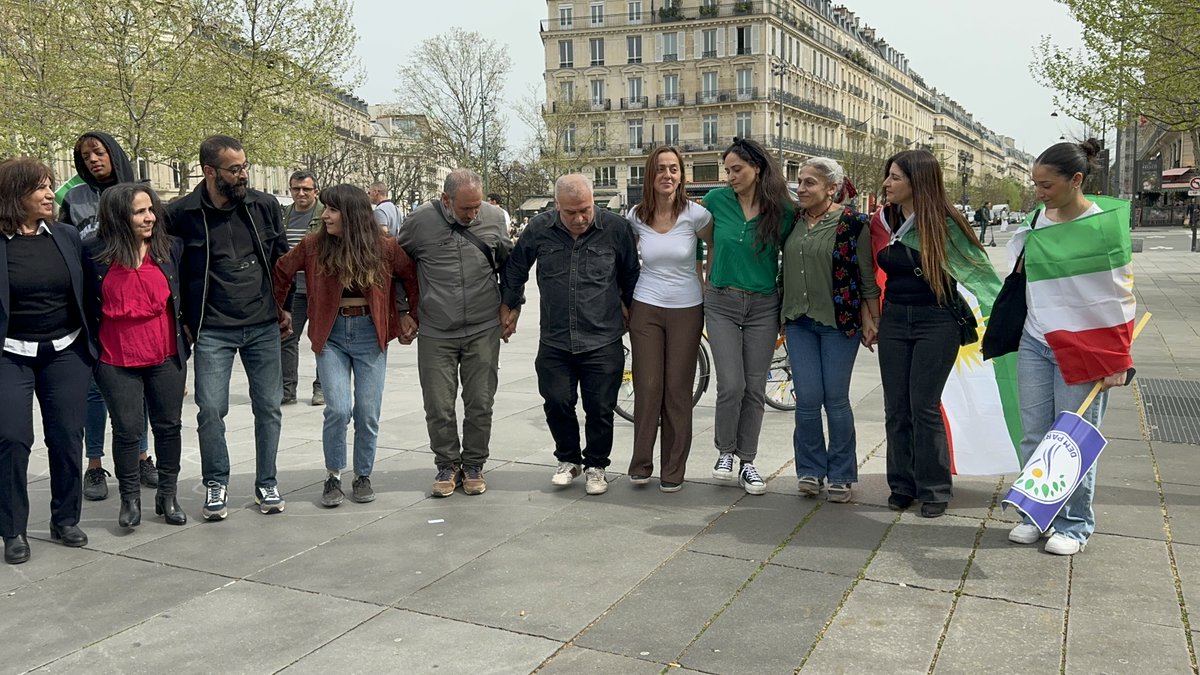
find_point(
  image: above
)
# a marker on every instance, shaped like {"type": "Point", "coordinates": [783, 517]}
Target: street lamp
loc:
{"type": "Point", "coordinates": [964, 171]}
{"type": "Point", "coordinates": [780, 68]}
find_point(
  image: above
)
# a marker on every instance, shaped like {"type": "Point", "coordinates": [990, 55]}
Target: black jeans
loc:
{"type": "Point", "coordinates": [289, 350]}
{"type": "Point", "coordinates": [129, 393]}
{"type": "Point", "coordinates": [917, 349]}
{"type": "Point", "coordinates": [60, 381]}
{"type": "Point", "coordinates": [597, 376]}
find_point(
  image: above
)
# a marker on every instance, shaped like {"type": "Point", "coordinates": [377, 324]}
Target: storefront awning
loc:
{"type": "Point", "coordinates": [536, 203]}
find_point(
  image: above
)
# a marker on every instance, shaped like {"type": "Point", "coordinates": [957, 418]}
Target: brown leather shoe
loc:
{"type": "Point", "coordinates": [472, 481]}
{"type": "Point", "coordinates": [448, 478]}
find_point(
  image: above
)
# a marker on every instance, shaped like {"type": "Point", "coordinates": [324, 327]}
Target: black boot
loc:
{"type": "Point", "coordinates": [165, 502]}
{"type": "Point", "coordinates": [131, 511]}
{"type": "Point", "coordinates": [16, 549]}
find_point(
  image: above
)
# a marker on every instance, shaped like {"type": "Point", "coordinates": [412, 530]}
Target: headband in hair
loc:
{"type": "Point", "coordinates": [755, 156]}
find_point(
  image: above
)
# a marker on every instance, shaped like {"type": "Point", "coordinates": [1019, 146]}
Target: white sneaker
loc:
{"type": "Point", "coordinates": [750, 480]}
{"type": "Point", "coordinates": [1024, 534]}
{"type": "Point", "coordinates": [567, 471]}
{"type": "Point", "coordinates": [595, 482]}
{"type": "Point", "coordinates": [723, 469]}
{"type": "Point", "coordinates": [1061, 544]}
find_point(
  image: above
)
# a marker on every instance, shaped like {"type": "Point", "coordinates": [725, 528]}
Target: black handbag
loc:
{"type": "Point", "coordinates": [968, 325]}
{"type": "Point", "coordinates": [1007, 321]}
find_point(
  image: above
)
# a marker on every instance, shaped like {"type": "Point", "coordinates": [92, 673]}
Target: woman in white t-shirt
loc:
{"type": "Point", "coordinates": [665, 320]}
{"type": "Point", "coordinates": [1058, 373]}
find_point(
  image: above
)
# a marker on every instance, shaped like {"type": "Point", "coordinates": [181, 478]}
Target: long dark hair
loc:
{"type": "Point", "coordinates": [355, 257]}
{"type": "Point", "coordinates": [770, 190]}
{"type": "Point", "coordinates": [932, 207]}
{"type": "Point", "coordinates": [645, 210]}
{"type": "Point", "coordinates": [120, 244]}
{"type": "Point", "coordinates": [19, 177]}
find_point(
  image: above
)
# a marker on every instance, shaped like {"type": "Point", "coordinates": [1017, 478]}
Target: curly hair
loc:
{"type": "Point", "coordinates": [356, 256]}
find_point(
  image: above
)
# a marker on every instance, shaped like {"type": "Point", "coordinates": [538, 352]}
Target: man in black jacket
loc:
{"type": "Point", "coordinates": [232, 237]}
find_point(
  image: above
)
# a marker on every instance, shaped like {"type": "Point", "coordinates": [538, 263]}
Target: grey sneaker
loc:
{"type": "Point", "coordinates": [268, 499]}
{"type": "Point", "coordinates": [723, 469]}
{"type": "Point", "coordinates": [361, 491]}
{"type": "Point", "coordinates": [809, 486]}
{"type": "Point", "coordinates": [595, 482]}
{"type": "Point", "coordinates": [318, 397]}
{"type": "Point", "coordinates": [95, 487]}
{"type": "Point", "coordinates": [332, 495]}
{"type": "Point", "coordinates": [838, 493]}
{"type": "Point", "coordinates": [214, 501]}
{"type": "Point", "coordinates": [566, 472]}
{"type": "Point", "coordinates": [750, 480]}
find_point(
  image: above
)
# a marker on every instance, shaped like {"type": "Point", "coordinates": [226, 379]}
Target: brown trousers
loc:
{"type": "Point", "coordinates": [664, 342]}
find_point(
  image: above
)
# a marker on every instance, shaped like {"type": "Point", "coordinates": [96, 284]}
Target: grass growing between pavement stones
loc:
{"type": "Point", "coordinates": [1139, 404]}
{"type": "Point", "coordinates": [721, 610]}
{"type": "Point", "coordinates": [962, 580]}
{"type": "Point", "coordinates": [862, 574]}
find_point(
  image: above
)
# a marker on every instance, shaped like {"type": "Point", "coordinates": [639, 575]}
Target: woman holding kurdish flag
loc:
{"type": "Point", "coordinates": [925, 248]}
{"type": "Point", "coordinates": [1079, 324]}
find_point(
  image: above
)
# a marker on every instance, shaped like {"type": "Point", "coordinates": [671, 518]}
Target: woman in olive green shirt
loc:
{"type": "Point", "coordinates": [751, 219]}
{"type": "Point", "coordinates": [830, 305]}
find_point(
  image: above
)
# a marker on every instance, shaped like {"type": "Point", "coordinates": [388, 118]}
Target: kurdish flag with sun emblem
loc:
{"type": "Point", "coordinates": [1087, 258]}
{"type": "Point", "coordinates": [979, 402]}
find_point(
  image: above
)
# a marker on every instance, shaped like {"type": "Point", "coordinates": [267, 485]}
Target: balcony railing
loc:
{"type": "Point", "coordinates": [670, 57]}
{"type": "Point", "coordinates": [728, 96]}
{"type": "Point", "coordinates": [808, 106]}
{"type": "Point", "coordinates": [598, 104]}
{"type": "Point", "coordinates": [648, 17]}
{"type": "Point", "coordinates": [669, 100]}
{"type": "Point", "coordinates": [708, 54]}
{"type": "Point", "coordinates": [635, 103]}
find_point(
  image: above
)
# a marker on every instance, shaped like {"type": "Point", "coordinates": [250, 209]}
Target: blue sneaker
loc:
{"type": "Point", "coordinates": [214, 501]}
{"type": "Point", "coordinates": [268, 499]}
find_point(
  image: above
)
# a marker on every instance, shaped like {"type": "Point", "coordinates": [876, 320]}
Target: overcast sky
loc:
{"type": "Point", "coordinates": [977, 53]}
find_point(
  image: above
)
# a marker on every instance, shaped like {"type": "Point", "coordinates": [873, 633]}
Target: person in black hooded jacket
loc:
{"type": "Point", "coordinates": [101, 163]}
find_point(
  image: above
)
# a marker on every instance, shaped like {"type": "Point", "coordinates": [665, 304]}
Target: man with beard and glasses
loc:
{"type": "Point", "coordinates": [232, 237]}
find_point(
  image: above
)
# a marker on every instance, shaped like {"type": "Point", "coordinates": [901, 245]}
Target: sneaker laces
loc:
{"type": "Point", "coordinates": [750, 474]}
{"type": "Point", "coordinates": [472, 472]}
{"type": "Point", "coordinates": [214, 493]}
{"type": "Point", "coordinates": [445, 473]}
{"type": "Point", "coordinates": [333, 482]}
{"type": "Point", "coordinates": [362, 481]}
{"type": "Point", "coordinates": [270, 494]}
{"type": "Point", "coordinates": [725, 461]}
{"type": "Point", "coordinates": [566, 467]}
{"type": "Point", "coordinates": [96, 475]}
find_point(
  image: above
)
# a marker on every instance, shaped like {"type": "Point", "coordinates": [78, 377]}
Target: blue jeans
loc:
{"type": "Point", "coordinates": [214, 351]}
{"type": "Point", "coordinates": [825, 356]}
{"type": "Point", "coordinates": [352, 349]}
{"type": "Point", "coordinates": [97, 421]}
{"type": "Point", "coordinates": [1044, 394]}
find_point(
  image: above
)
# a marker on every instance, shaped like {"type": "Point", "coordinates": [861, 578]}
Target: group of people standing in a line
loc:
{"type": "Point", "coordinates": [121, 291]}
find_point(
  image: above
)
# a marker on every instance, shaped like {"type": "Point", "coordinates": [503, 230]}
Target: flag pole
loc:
{"type": "Point", "coordinates": [1087, 402]}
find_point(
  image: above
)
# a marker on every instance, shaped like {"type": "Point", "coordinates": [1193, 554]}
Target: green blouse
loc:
{"type": "Point", "coordinates": [737, 260]}
{"type": "Point", "coordinates": [808, 271]}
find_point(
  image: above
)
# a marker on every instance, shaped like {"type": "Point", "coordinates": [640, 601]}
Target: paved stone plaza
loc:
{"type": "Point", "coordinates": [530, 578]}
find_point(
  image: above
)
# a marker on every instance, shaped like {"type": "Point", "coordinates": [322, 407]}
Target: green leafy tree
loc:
{"type": "Point", "coordinates": [1138, 58]}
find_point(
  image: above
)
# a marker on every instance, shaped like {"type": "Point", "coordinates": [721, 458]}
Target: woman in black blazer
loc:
{"type": "Point", "coordinates": [44, 349]}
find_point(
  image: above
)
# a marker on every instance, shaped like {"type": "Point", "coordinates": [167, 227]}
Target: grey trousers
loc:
{"type": "Point", "coordinates": [441, 363]}
{"type": "Point", "coordinates": [742, 329]}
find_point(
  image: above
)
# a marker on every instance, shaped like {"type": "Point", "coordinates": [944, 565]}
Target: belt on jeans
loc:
{"type": "Point", "coordinates": [355, 310]}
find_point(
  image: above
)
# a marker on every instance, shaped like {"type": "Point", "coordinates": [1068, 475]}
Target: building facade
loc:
{"type": "Point", "coordinates": [803, 77]}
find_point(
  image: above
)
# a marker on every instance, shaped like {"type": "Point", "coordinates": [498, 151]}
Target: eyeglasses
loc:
{"type": "Point", "coordinates": [235, 169]}
{"type": "Point", "coordinates": [303, 190]}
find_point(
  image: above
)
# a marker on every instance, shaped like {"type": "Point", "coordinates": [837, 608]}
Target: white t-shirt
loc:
{"type": "Point", "coordinates": [668, 278]}
{"type": "Point", "coordinates": [1032, 326]}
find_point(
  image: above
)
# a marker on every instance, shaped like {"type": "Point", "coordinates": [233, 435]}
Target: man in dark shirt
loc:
{"type": "Point", "coordinates": [300, 217]}
{"type": "Point", "coordinates": [587, 266]}
{"type": "Point", "coordinates": [232, 237]}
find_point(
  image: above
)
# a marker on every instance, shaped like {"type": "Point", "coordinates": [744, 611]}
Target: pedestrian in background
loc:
{"type": "Point", "coordinates": [300, 217]}
{"type": "Point", "coordinates": [927, 248]}
{"type": "Point", "coordinates": [350, 266]}
{"type": "Point", "coordinates": [1052, 377]}
{"type": "Point", "coordinates": [751, 219]}
{"type": "Point", "coordinates": [830, 307]}
{"type": "Point", "coordinates": [666, 319]}
{"type": "Point", "coordinates": [131, 273]}
{"type": "Point", "coordinates": [44, 350]}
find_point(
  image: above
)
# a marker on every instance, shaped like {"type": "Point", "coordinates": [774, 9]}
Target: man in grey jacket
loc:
{"type": "Point", "coordinates": [458, 244]}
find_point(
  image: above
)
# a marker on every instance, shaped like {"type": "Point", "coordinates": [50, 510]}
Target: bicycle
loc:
{"type": "Point", "coordinates": [780, 394]}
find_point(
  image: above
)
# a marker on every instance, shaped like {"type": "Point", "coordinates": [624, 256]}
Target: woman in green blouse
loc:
{"type": "Point", "coordinates": [830, 305]}
{"type": "Point", "coordinates": [751, 219]}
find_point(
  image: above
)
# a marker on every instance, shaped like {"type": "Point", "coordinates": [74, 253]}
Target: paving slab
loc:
{"type": "Point", "coordinates": [660, 617]}
{"type": "Point", "coordinates": [838, 538]}
{"type": "Point", "coordinates": [770, 625]}
{"type": "Point", "coordinates": [1102, 582]}
{"type": "Point", "coordinates": [46, 560]}
{"type": "Point", "coordinates": [49, 619]}
{"type": "Point", "coordinates": [925, 552]}
{"type": "Point", "coordinates": [1128, 508]}
{"type": "Point", "coordinates": [236, 618]}
{"type": "Point", "coordinates": [401, 641]}
{"type": "Point", "coordinates": [1017, 573]}
{"type": "Point", "coordinates": [984, 633]}
{"type": "Point", "coordinates": [578, 661]}
{"type": "Point", "coordinates": [884, 619]}
{"type": "Point", "coordinates": [1098, 646]}
{"type": "Point", "coordinates": [1183, 510]}
{"type": "Point", "coordinates": [752, 529]}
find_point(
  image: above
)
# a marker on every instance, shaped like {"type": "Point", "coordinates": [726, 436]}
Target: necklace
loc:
{"type": "Point", "coordinates": [824, 210]}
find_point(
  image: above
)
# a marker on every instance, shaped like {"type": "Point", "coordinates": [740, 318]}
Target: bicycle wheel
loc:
{"type": "Point", "coordinates": [703, 371]}
{"type": "Point", "coordinates": [780, 393]}
{"type": "Point", "coordinates": [625, 393]}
